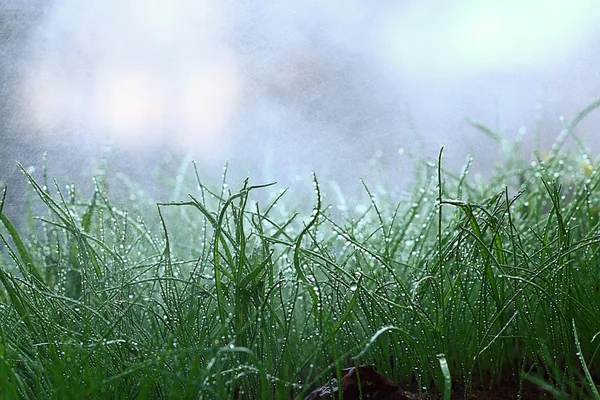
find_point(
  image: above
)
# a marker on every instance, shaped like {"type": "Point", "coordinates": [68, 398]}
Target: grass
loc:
{"type": "Point", "coordinates": [461, 282]}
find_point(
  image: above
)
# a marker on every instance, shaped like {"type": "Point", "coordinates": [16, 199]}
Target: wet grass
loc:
{"type": "Point", "coordinates": [459, 282]}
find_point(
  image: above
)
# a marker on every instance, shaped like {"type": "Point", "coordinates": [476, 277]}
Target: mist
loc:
{"type": "Point", "coordinates": [349, 89]}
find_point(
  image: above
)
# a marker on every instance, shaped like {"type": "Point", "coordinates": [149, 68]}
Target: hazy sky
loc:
{"type": "Point", "coordinates": [299, 85]}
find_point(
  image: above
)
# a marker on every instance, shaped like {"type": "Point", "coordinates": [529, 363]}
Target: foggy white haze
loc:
{"type": "Point", "coordinates": [280, 88]}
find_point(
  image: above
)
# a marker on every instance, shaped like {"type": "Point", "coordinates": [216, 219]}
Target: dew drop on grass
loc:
{"type": "Point", "coordinates": [353, 286]}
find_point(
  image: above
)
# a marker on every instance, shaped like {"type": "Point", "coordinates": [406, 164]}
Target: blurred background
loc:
{"type": "Point", "coordinates": [350, 89]}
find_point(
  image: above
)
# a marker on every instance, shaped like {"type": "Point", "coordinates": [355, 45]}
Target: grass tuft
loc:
{"type": "Point", "coordinates": [459, 284]}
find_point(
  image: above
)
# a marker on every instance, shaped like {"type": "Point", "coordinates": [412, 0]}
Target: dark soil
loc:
{"type": "Point", "coordinates": [374, 385]}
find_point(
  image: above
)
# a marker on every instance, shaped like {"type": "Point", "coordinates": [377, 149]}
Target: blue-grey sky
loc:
{"type": "Point", "coordinates": [283, 87]}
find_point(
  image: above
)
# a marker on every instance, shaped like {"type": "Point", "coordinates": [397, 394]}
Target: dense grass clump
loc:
{"type": "Point", "coordinates": [461, 282]}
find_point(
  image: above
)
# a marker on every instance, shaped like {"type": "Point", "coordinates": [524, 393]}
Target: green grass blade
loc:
{"type": "Point", "coordinates": [447, 377]}
{"type": "Point", "coordinates": [586, 370]}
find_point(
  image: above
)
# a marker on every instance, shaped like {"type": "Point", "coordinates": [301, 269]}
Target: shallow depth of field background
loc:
{"type": "Point", "coordinates": [349, 89]}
